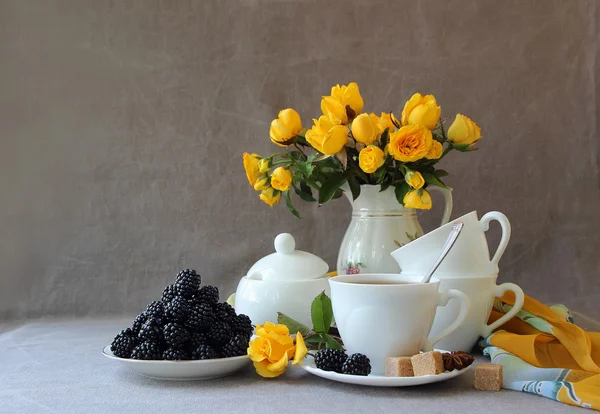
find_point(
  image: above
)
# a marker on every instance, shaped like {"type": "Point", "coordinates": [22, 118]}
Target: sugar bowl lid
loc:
{"type": "Point", "coordinates": [287, 263]}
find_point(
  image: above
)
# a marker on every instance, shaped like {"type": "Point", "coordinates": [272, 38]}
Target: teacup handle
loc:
{"type": "Point", "coordinates": [505, 224]}
{"type": "Point", "coordinates": [444, 298]}
{"type": "Point", "coordinates": [447, 202]}
{"type": "Point", "coordinates": [519, 299]}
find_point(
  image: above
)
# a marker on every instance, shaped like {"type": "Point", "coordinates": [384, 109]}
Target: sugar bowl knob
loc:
{"type": "Point", "coordinates": [285, 243]}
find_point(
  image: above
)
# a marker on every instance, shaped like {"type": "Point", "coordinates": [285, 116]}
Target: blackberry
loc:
{"type": "Point", "coordinates": [196, 339]}
{"type": "Point", "coordinates": [168, 294]}
{"type": "Point", "coordinates": [330, 359]}
{"type": "Point", "coordinates": [156, 310]}
{"type": "Point", "coordinates": [209, 294]}
{"type": "Point", "coordinates": [238, 345]}
{"type": "Point", "coordinates": [204, 352]}
{"type": "Point", "coordinates": [187, 283]}
{"type": "Point", "coordinates": [175, 354]}
{"type": "Point", "coordinates": [219, 334]}
{"type": "Point", "coordinates": [150, 331]}
{"type": "Point", "coordinates": [224, 312]}
{"type": "Point", "coordinates": [123, 344]}
{"type": "Point", "coordinates": [177, 310]}
{"type": "Point", "coordinates": [200, 317]}
{"type": "Point", "coordinates": [357, 364]}
{"type": "Point", "coordinates": [242, 324]}
{"type": "Point", "coordinates": [175, 334]}
{"type": "Point", "coordinates": [138, 322]}
{"type": "Point", "coordinates": [147, 350]}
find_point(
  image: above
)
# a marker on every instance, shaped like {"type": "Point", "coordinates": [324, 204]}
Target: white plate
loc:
{"type": "Point", "coordinates": [379, 380]}
{"type": "Point", "coordinates": [183, 370]}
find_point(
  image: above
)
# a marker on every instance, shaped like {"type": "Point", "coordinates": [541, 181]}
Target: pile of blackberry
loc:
{"type": "Point", "coordinates": [339, 361]}
{"type": "Point", "coordinates": [187, 323]}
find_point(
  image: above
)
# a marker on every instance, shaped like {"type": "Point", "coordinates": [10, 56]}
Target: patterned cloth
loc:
{"type": "Point", "coordinates": [543, 352]}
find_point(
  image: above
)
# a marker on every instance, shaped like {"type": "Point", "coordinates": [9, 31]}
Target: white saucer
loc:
{"type": "Point", "coordinates": [183, 370]}
{"type": "Point", "coordinates": [379, 380]}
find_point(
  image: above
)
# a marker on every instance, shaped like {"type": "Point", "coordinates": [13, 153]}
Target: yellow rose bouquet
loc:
{"type": "Point", "coordinates": [347, 148]}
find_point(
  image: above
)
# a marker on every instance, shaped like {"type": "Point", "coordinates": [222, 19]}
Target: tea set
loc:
{"type": "Point", "coordinates": [386, 314]}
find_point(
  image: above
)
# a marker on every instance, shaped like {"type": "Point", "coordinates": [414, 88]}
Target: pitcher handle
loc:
{"type": "Point", "coordinates": [447, 202]}
{"type": "Point", "coordinates": [444, 298]}
{"type": "Point", "coordinates": [505, 224]}
{"type": "Point", "coordinates": [519, 299]}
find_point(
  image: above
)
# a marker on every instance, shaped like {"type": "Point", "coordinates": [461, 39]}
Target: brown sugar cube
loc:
{"type": "Point", "coordinates": [428, 363]}
{"type": "Point", "coordinates": [398, 367]}
{"type": "Point", "coordinates": [488, 377]}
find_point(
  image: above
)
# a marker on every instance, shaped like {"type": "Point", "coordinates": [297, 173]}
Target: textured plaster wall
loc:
{"type": "Point", "coordinates": [122, 125]}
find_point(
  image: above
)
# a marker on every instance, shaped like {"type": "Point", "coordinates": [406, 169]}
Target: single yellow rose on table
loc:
{"type": "Point", "coordinates": [251, 166]}
{"type": "Point", "coordinates": [410, 143]}
{"type": "Point", "coordinates": [281, 179]}
{"type": "Point", "coordinates": [421, 110]}
{"type": "Point", "coordinates": [327, 137]}
{"type": "Point", "coordinates": [285, 127]}
{"type": "Point", "coordinates": [270, 196]}
{"type": "Point", "coordinates": [364, 129]}
{"type": "Point", "coordinates": [414, 179]}
{"type": "Point", "coordinates": [349, 95]}
{"type": "Point", "coordinates": [463, 131]}
{"type": "Point", "coordinates": [420, 199]}
{"type": "Point", "coordinates": [436, 151]}
{"type": "Point", "coordinates": [273, 348]}
{"type": "Point", "coordinates": [370, 159]}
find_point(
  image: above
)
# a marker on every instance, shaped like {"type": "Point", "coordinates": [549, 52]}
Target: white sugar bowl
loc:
{"type": "Point", "coordinates": [286, 281]}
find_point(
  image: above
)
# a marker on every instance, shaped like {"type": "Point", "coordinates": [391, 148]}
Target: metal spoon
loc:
{"type": "Point", "coordinates": [447, 246]}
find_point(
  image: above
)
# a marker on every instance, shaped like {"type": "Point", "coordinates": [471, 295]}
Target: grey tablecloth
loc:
{"type": "Point", "coordinates": [58, 367]}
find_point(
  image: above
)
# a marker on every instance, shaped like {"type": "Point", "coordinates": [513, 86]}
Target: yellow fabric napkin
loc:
{"type": "Point", "coordinates": [543, 352]}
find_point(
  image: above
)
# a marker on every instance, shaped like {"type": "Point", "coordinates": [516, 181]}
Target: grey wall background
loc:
{"type": "Point", "coordinates": [122, 125]}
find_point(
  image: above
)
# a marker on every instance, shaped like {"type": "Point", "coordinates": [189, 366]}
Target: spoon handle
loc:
{"type": "Point", "coordinates": [447, 246]}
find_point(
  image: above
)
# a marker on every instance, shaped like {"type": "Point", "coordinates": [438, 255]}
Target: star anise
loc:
{"type": "Point", "coordinates": [457, 360]}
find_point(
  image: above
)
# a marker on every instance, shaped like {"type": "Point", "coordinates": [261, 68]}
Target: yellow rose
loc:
{"type": "Point", "coordinates": [333, 109]}
{"type": "Point", "coordinates": [435, 152]}
{"type": "Point", "coordinates": [327, 137]}
{"type": "Point", "coordinates": [263, 165]}
{"type": "Point", "coordinates": [410, 143]}
{"type": "Point", "coordinates": [414, 179]}
{"type": "Point", "coordinates": [281, 179]}
{"type": "Point", "coordinates": [364, 129]}
{"type": "Point", "coordinates": [463, 131]}
{"type": "Point", "coordinates": [370, 159]}
{"type": "Point", "coordinates": [270, 196]}
{"type": "Point", "coordinates": [421, 110]}
{"type": "Point", "coordinates": [385, 121]}
{"type": "Point", "coordinates": [349, 95]}
{"type": "Point", "coordinates": [273, 348]}
{"type": "Point", "coordinates": [417, 199]}
{"type": "Point", "coordinates": [261, 184]}
{"type": "Point", "coordinates": [251, 167]}
{"type": "Point", "coordinates": [285, 127]}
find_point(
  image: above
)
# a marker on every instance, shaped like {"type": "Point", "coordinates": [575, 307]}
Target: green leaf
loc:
{"type": "Point", "coordinates": [321, 313]}
{"type": "Point", "coordinates": [465, 147]}
{"type": "Point", "coordinates": [329, 187]}
{"type": "Point", "coordinates": [433, 180]}
{"type": "Point", "coordinates": [296, 155]}
{"type": "Point", "coordinates": [354, 187]}
{"type": "Point", "coordinates": [314, 339]}
{"type": "Point", "coordinates": [292, 324]}
{"type": "Point", "coordinates": [304, 192]}
{"type": "Point", "coordinates": [440, 173]}
{"type": "Point", "coordinates": [306, 168]}
{"type": "Point", "coordinates": [384, 186]}
{"type": "Point", "coordinates": [288, 202]}
{"type": "Point", "coordinates": [331, 343]}
{"type": "Point", "coordinates": [384, 137]}
{"type": "Point", "coordinates": [380, 174]}
{"type": "Point", "coordinates": [401, 191]}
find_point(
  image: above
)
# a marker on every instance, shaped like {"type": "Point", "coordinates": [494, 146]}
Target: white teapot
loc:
{"type": "Point", "coordinates": [286, 281]}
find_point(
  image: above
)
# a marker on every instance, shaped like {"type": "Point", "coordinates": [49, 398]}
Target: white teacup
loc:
{"type": "Point", "coordinates": [481, 292]}
{"type": "Point", "coordinates": [384, 315]}
{"type": "Point", "coordinates": [469, 256]}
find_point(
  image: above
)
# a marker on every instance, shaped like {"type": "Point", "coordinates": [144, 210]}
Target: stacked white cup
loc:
{"type": "Point", "coordinates": [467, 268]}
